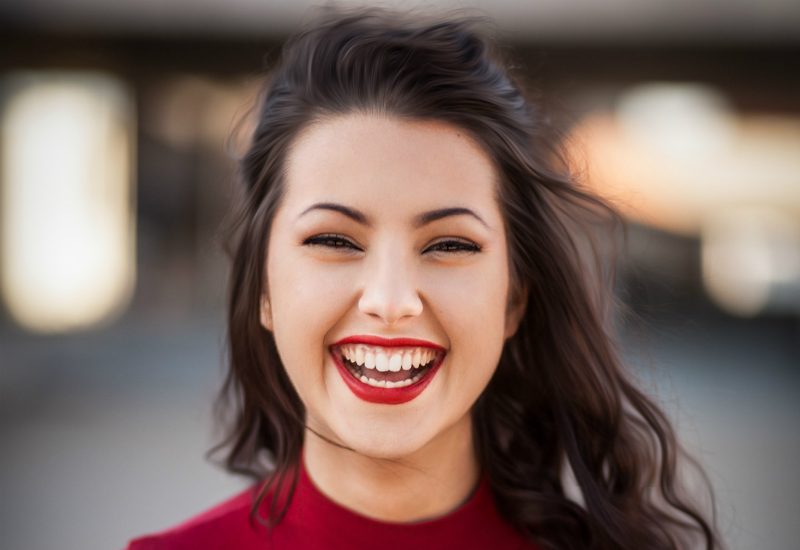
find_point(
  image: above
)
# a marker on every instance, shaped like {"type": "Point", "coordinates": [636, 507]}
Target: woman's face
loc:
{"type": "Point", "coordinates": [388, 280]}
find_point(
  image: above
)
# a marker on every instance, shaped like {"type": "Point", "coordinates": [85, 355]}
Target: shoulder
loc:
{"type": "Point", "coordinates": [224, 526]}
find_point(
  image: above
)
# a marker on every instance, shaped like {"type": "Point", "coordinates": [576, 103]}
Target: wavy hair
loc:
{"type": "Point", "coordinates": [560, 398]}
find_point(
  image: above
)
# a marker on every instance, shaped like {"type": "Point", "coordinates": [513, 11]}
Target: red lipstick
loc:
{"type": "Point", "coordinates": [388, 342]}
{"type": "Point", "coordinates": [387, 396]}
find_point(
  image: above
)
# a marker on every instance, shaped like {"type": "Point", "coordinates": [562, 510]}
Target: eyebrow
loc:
{"type": "Point", "coordinates": [434, 215]}
{"type": "Point", "coordinates": [351, 213]}
{"type": "Point", "coordinates": [419, 221]}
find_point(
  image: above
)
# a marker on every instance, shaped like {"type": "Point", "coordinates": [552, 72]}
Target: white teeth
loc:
{"type": "Point", "coordinates": [387, 360]}
{"type": "Point", "coordinates": [424, 357]}
{"type": "Point", "coordinates": [382, 362]}
{"type": "Point", "coordinates": [389, 384]}
{"type": "Point", "coordinates": [408, 357]}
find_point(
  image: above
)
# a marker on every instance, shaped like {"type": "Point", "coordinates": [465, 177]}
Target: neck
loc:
{"type": "Point", "coordinates": [428, 483]}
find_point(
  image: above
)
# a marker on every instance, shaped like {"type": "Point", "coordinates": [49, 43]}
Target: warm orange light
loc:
{"type": "Point", "coordinates": [674, 172]}
{"type": "Point", "coordinates": [672, 156]}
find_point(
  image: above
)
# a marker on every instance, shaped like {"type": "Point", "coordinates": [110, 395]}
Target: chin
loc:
{"type": "Point", "coordinates": [384, 438]}
{"type": "Point", "coordinates": [389, 432]}
{"type": "Point", "coordinates": [386, 448]}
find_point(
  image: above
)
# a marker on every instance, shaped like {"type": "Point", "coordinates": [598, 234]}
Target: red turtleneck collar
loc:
{"type": "Point", "coordinates": [315, 522]}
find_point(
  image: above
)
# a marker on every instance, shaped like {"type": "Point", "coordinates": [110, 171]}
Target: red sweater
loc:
{"type": "Point", "coordinates": [314, 522]}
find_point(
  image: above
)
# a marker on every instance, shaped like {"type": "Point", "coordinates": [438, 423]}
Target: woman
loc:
{"type": "Point", "coordinates": [420, 347]}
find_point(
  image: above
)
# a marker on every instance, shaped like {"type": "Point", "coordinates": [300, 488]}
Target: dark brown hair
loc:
{"type": "Point", "coordinates": [560, 396]}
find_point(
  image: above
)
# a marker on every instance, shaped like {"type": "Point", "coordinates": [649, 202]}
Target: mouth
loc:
{"type": "Point", "coordinates": [388, 371]}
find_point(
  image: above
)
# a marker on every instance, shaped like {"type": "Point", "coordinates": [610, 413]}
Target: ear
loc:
{"type": "Point", "coordinates": [517, 303]}
{"type": "Point", "coordinates": [266, 313]}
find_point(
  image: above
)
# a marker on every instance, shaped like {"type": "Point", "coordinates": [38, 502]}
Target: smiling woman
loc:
{"type": "Point", "coordinates": [420, 349]}
{"type": "Point", "coordinates": [386, 229]}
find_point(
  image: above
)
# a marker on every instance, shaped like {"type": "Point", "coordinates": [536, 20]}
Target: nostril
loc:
{"type": "Point", "coordinates": [389, 290]}
{"type": "Point", "coordinates": [390, 310]}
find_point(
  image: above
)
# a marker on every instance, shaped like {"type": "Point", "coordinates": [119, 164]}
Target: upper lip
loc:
{"type": "Point", "coordinates": [388, 342]}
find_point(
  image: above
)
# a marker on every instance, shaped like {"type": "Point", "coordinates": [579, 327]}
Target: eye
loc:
{"type": "Point", "coordinates": [451, 245]}
{"type": "Point", "coordinates": [331, 241]}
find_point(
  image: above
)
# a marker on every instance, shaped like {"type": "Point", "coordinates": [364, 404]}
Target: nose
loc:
{"type": "Point", "coordinates": [389, 291]}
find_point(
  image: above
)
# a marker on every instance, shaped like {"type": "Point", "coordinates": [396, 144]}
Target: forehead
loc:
{"type": "Point", "coordinates": [378, 161]}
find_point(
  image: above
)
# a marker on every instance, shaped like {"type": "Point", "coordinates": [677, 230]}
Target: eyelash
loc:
{"type": "Point", "coordinates": [453, 245]}
{"type": "Point", "coordinates": [339, 241]}
{"type": "Point", "coordinates": [331, 241]}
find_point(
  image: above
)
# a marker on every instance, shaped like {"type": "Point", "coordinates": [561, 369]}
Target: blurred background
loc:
{"type": "Point", "coordinates": [116, 170]}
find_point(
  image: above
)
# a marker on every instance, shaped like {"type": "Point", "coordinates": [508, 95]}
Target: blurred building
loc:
{"type": "Point", "coordinates": [686, 115]}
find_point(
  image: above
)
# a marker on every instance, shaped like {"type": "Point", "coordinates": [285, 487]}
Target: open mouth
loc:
{"type": "Point", "coordinates": [386, 374]}
{"type": "Point", "coordinates": [387, 368]}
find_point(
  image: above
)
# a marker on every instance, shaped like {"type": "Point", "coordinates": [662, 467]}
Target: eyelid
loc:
{"type": "Point", "coordinates": [349, 243]}
{"type": "Point", "coordinates": [469, 246]}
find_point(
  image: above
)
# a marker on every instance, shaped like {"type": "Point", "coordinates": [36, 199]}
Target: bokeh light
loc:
{"type": "Point", "coordinates": [677, 157]}
{"type": "Point", "coordinates": [68, 240]}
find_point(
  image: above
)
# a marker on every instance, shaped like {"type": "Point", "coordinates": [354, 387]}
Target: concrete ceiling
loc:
{"type": "Point", "coordinates": [690, 21]}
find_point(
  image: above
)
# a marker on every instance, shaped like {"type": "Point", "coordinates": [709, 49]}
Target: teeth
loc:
{"type": "Point", "coordinates": [408, 357]}
{"type": "Point", "coordinates": [387, 360]}
{"type": "Point", "coordinates": [381, 362]}
{"type": "Point", "coordinates": [389, 384]}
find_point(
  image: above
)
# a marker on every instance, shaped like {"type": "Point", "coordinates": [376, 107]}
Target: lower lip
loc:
{"type": "Point", "coordinates": [385, 396]}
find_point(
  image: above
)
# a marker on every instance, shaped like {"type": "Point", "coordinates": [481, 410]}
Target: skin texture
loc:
{"type": "Point", "coordinates": [390, 277]}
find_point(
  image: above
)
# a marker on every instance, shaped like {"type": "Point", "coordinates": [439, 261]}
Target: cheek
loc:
{"type": "Point", "coordinates": [471, 306]}
{"type": "Point", "coordinates": [472, 298]}
{"type": "Point", "coordinates": [307, 301]}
